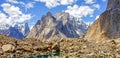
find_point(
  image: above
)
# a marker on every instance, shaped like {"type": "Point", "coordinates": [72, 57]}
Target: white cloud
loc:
{"type": "Point", "coordinates": [12, 15]}
{"type": "Point", "coordinates": [26, 5]}
{"type": "Point", "coordinates": [11, 10]}
{"type": "Point", "coordinates": [37, 0]}
{"type": "Point", "coordinates": [104, 0]}
{"type": "Point", "coordinates": [96, 6]}
{"type": "Point", "coordinates": [50, 3]}
{"type": "Point", "coordinates": [2, 17]}
{"type": "Point", "coordinates": [89, 1]}
{"type": "Point", "coordinates": [67, 2]}
{"type": "Point", "coordinates": [15, 2]}
{"type": "Point", "coordinates": [29, 5]}
{"type": "Point", "coordinates": [97, 17]}
{"type": "Point", "coordinates": [80, 11]}
{"type": "Point", "coordinates": [54, 3]}
{"type": "Point", "coordinates": [12, 1]}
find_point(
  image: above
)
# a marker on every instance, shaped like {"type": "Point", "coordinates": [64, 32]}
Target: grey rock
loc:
{"type": "Point", "coordinates": [58, 26]}
{"type": "Point", "coordinates": [112, 4]}
{"type": "Point", "coordinates": [107, 26]}
{"type": "Point", "coordinates": [17, 31]}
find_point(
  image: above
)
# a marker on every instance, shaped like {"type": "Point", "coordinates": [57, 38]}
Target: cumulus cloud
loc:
{"type": "Point", "coordinates": [97, 6]}
{"type": "Point", "coordinates": [89, 1]}
{"type": "Point", "coordinates": [15, 2]}
{"type": "Point", "coordinates": [11, 10]}
{"type": "Point", "coordinates": [50, 3]}
{"type": "Point", "coordinates": [67, 2]}
{"type": "Point", "coordinates": [83, 11]}
{"type": "Point", "coordinates": [29, 5]}
{"type": "Point", "coordinates": [54, 3]}
{"type": "Point", "coordinates": [2, 17]}
{"type": "Point", "coordinates": [12, 15]}
{"type": "Point", "coordinates": [80, 11]}
{"type": "Point", "coordinates": [104, 0]}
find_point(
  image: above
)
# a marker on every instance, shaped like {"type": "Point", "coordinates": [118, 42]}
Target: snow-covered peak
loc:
{"type": "Point", "coordinates": [23, 28]}
{"type": "Point", "coordinates": [19, 31]}
{"type": "Point", "coordinates": [4, 26]}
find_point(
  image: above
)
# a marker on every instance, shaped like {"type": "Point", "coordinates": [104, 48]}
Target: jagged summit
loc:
{"type": "Point", "coordinates": [58, 26]}
{"type": "Point", "coordinates": [18, 31]}
{"type": "Point", "coordinates": [112, 4]}
{"type": "Point", "coordinates": [49, 14]}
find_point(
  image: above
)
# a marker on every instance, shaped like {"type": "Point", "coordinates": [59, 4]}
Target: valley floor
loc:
{"type": "Point", "coordinates": [68, 48]}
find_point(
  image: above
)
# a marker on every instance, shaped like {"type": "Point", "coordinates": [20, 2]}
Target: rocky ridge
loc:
{"type": "Point", "coordinates": [105, 28]}
{"type": "Point", "coordinates": [17, 31]}
{"type": "Point", "coordinates": [58, 26]}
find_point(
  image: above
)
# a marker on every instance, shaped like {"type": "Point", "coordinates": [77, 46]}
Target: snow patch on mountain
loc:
{"type": "Point", "coordinates": [18, 31]}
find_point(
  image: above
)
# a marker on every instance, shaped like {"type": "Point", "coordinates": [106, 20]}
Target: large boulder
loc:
{"type": "Point", "coordinates": [8, 47]}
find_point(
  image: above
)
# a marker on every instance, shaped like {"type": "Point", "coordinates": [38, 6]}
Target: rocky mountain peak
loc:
{"type": "Point", "coordinates": [113, 4]}
{"type": "Point", "coordinates": [62, 16]}
{"type": "Point", "coordinates": [58, 26]}
{"type": "Point", "coordinates": [16, 26]}
{"type": "Point", "coordinates": [49, 14]}
{"type": "Point", "coordinates": [26, 29]}
{"type": "Point", "coordinates": [26, 24]}
{"type": "Point", "coordinates": [18, 31]}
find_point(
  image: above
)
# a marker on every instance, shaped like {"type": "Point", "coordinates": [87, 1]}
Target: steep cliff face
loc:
{"type": "Point", "coordinates": [113, 4]}
{"type": "Point", "coordinates": [58, 26]}
{"type": "Point", "coordinates": [44, 28]}
{"type": "Point", "coordinates": [24, 29]}
{"type": "Point", "coordinates": [107, 26]}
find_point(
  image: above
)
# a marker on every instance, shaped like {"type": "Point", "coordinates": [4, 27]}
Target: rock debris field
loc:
{"type": "Point", "coordinates": [68, 48]}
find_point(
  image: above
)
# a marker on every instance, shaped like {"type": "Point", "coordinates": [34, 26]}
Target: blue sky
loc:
{"type": "Point", "coordinates": [22, 11]}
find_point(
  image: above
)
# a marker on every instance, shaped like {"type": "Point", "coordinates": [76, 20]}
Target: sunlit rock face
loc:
{"type": "Point", "coordinates": [58, 26]}
{"type": "Point", "coordinates": [107, 26]}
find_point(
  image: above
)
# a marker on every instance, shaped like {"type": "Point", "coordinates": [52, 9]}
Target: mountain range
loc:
{"type": "Point", "coordinates": [61, 25]}
{"type": "Point", "coordinates": [16, 31]}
